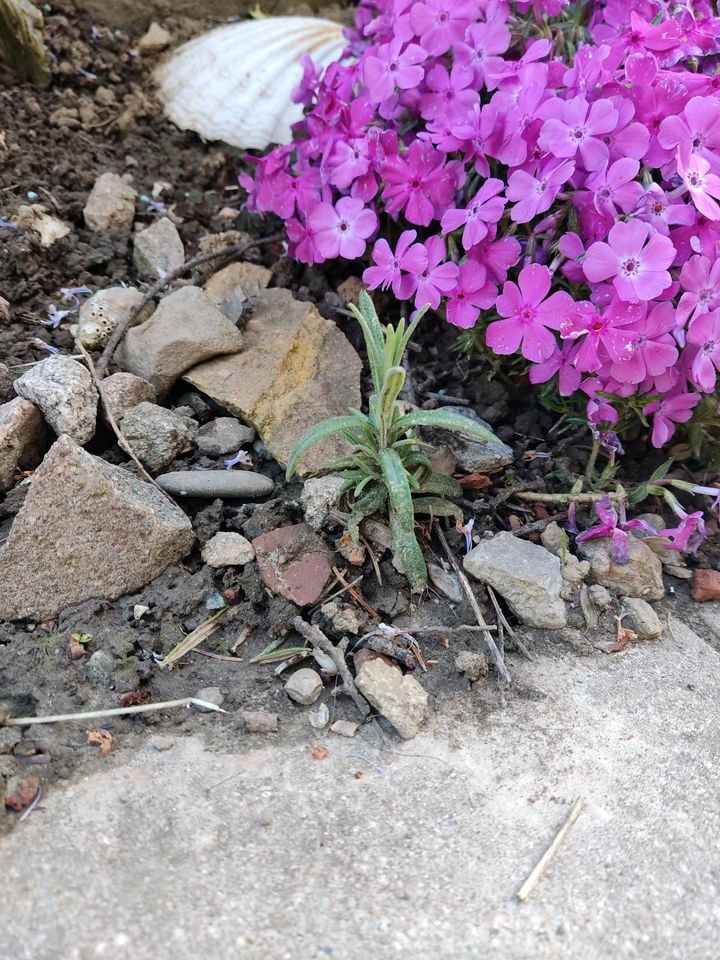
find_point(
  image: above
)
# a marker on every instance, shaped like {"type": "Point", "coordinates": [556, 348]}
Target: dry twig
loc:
{"type": "Point", "coordinates": [235, 249]}
{"type": "Point", "coordinates": [111, 712]}
{"type": "Point", "coordinates": [527, 888]}
{"type": "Point", "coordinates": [502, 619]}
{"type": "Point", "coordinates": [317, 638]}
{"type": "Point", "coordinates": [489, 640]}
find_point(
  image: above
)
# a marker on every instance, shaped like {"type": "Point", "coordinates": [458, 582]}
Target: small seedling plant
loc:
{"type": "Point", "coordinates": [388, 469]}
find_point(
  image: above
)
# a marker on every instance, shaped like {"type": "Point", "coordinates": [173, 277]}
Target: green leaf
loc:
{"type": "Point", "coordinates": [372, 502]}
{"type": "Point", "coordinates": [441, 484]}
{"type": "Point", "coordinates": [315, 435]}
{"type": "Point", "coordinates": [392, 385]}
{"type": "Point", "coordinates": [398, 487]}
{"type": "Point", "coordinates": [437, 507]}
{"type": "Point", "coordinates": [447, 421]}
{"type": "Point", "coordinates": [419, 314]}
{"type": "Point", "coordinates": [661, 471]}
{"type": "Point", "coordinates": [408, 554]}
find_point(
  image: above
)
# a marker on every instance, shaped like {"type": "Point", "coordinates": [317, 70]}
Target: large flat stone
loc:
{"type": "Point", "coordinates": [185, 329]}
{"type": "Point", "coordinates": [22, 439]}
{"type": "Point", "coordinates": [296, 369]}
{"type": "Point", "coordinates": [86, 529]}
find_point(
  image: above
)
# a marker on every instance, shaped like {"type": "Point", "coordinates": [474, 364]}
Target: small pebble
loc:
{"type": "Point", "coordinates": [319, 717]}
{"type": "Point", "coordinates": [210, 695]}
{"type": "Point", "coordinates": [238, 484]}
{"type": "Point", "coordinates": [259, 721]}
{"type": "Point", "coordinates": [304, 686]}
{"type": "Point", "coordinates": [139, 611]}
{"type": "Point", "coordinates": [345, 728]}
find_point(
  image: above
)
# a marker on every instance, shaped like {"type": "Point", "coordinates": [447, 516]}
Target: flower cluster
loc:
{"type": "Point", "coordinates": [558, 183]}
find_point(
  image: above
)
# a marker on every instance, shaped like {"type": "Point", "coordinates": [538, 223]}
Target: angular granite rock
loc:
{"type": "Point", "coordinates": [471, 455]}
{"type": "Point", "coordinates": [185, 329]}
{"type": "Point", "coordinates": [402, 700]}
{"type": "Point", "coordinates": [640, 577]}
{"type": "Point", "coordinates": [110, 207]}
{"type": "Point", "coordinates": [87, 529]}
{"type": "Point", "coordinates": [296, 368]}
{"type": "Point", "coordinates": [65, 393]}
{"type": "Point", "coordinates": [22, 439]}
{"type": "Point", "coordinates": [158, 249]}
{"type": "Point", "coordinates": [526, 575]}
{"type": "Point", "coordinates": [157, 435]}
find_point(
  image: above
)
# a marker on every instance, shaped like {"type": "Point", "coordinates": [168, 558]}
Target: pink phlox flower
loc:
{"type": "Point", "coordinates": [599, 409]}
{"type": "Point", "coordinates": [519, 107]}
{"type": "Point", "coordinates": [571, 246]}
{"type": "Point", "coordinates": [661, 213]}
{"type": "Point", "coordinates": [507, 72]}
{"type": "Point", "coordinates": [629, 138]}
{"type": "Point", "coordinates": [702, 185]}
{"type": "Point", "coordinates": [497, 256]}
{"type": "Point", "coordinates": [615, 527]}
{"type": "Point", "coordinates": [594, 330]}
{"type": "Point", "coordinates": [562, 362]}
{"type": "Point", "coordinates": [641, 68]}
{"type": "Point", "coordinates": [636, 258]}
{"type": "Point", "coordinates": [587, 70]}
{"type": "Point", "coordinates": [700, 279]}
{"type": "Point", "coordinates": [449, 93]}
{"type": "Point", "coordinates": [301, 242]}
{"type": "Point", "coordinates": [341, 230]}
{"type": "Point", "coordinates": [704, 333]}
{"type": "Point", "coordinates": [645, 348]}
{"type": "Point", "coordinates": [578, 130]}
{"type": "Point", "coordinates": [688, 535]}
{"type": "Point", "coordinates": [438, 278]}
{"type": "Point", "coordinates": [472, 294]}
{"type": "Point", "coordinates": [615, 187]}
{"type": "Point", "coordinates": [479, 133]}
{"type": "Point", "coordinates": [667, 411]}
{"type": "Point", "coordinates": [485, 207]}
{"type": "Point", "coordinates": [441, 23]}
{"type": "Point", "coordinates": [700, 124]}
{"type": "Point", "coordinates": [398, 270]}
{"type": "Point", "coordinates": [535, 194]}
{"type": "Point", "coordinates": [306, 89]}
{"type": "Point", "coordinates": [528, 316]}
{"type": "Point", "coordinates": [418, 182]}
{"type": "Point", "coordinates": [393, 67]}
{"type": "Point", "coordinates": [482, 40]}
{"type": "Point", "coordinates": [348, 161]}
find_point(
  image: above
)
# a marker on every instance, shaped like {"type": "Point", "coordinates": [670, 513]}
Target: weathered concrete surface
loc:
{"type": "Point", "coordinates": [266, 854]}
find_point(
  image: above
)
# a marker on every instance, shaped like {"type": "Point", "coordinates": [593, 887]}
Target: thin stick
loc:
{"type": "Point", "coordinates": [121, 329]}
{"type": "Point", "coordinates": [489, 641]}
{"type": "Point", "coordinates": [113, 423]}
{"type": "Point", "coordinates": [527, 888]}
{"type": "Point", "coordinates": [356, 595]}
{"type": "Point", "coordinates": [113, 712]}
{"type": "Point", "coordinates": [565, 497]}
{"type": "Point", "coordinates": [490, 627]}
{"type": "Point", "coordinates": [35, 802]}
{"type": "Point", "coordinates": [317, 638]}
{"type": "Point", "coordinates": [503, 620]}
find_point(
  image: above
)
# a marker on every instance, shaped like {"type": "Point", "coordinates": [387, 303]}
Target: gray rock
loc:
{"type": "Point", "coordinates": [641, 618]}
{"type": "Point", "coordinates": [640, 577]}
{"type": "Point", "coordinates": [344, 728]}
{"type": "Point", "coordinates": [86, 529]}
{"type": "Point", "coordinates": [231, 287]}
{"type": "Point", "coordinates": [110, 208]}
{"type": "Point", "coordinates": [228, 550]}
{"type": "Point", "coordinates": [23, 439]}
{"type": "Point", "coordinates": [601, 597]}
{"type": "Point", "coordinates": [400, 699]}
{"type": "Point", "coordinates": [9, 738]}
{"type": "Point", "coordinates": [99, 669]}
{"type": "Point", "coordinates": [210, 695]}
{"type": "Point", "coordinates": [304, 686]}
{"type": "Point", "coordinates": [104, 310]}
{"type": "Point", "coordinates": [319, 496]}
{"type": "Point", "coordinates": [158, 250]}
{"type": "Point", "coordinates": [527, 575]}
{"type": "Point", "coordinates": [65, 393]}
{"type": "Point", "coordinates": [447, 583]}
{"type": "Point", "coordinates": [227, 484]}
{"type": "Point", "coordinates": [123, 391]}
{"type": "Point", "coordinates": [223, 435]}
{"type": "Point", "coordinates": [472, 456]}
{"type": "Point", "coordinates": [554, 539]}
{"type": "Point", "coordinates": [472, 665]}
{"type": "Point", "coordinates": [185, 329]}
{"type": "Point", "coordinates": [259, 721]}
{"type": "Point", "coordinates": [156, 435]}
{"type": "Point", "coordinates": [6, 377]}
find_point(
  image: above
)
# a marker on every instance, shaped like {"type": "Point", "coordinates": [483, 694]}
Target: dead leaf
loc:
{"type": "Point", "coordinates": [133, 698]}
{"type": "Point", "coordinates": [475, 481]}
{"type": "Point", "coordinates": [35, 217]}
{"type": "Point", "coordinates": [624, 636]}
{"type": "Point", "coordinates": [318, 752]}
{"type": "Point", "coordinates": [102, 739]}
{"type": "Point", "coordinates": [358, 774]}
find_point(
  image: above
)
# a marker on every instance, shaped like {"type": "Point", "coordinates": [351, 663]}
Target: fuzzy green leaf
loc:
{"type": "Point", "coordinates": [398, 487]}
{"type": "Point", "coordinates": [408, 554]}
{"type": "Point", "coordinates": [392, 385]}
{"type": "Point", "coordinates": [442, 485]}
{"type": "Point", "coordinates": [437, 507]}
{"type": "Point", "coordinates": [316, 434]}
{"type": "Point", "coordinates": [373, 501]}
{"type": "Point", "coordinates": [445, 420]}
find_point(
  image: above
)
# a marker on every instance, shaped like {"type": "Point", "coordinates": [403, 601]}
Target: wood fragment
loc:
{"type": "Point", "coordinates": [235, 249]}
{"type": "Point", "coordinates": [502, 619]}
{"type": "Point", "coordinates": [541, 866]}
{"type": "Point", "coordinates": [356, 595]}
{"type": "Point", "coordinates": [489, 640]}
{"type": "Point", "coordinates": [317, 638]}
{"type": "Point", "coordinates": [112, 712]}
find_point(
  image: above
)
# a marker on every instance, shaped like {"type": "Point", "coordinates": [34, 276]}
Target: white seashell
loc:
{"type": "Point", "coordinates": [104, 310]}
{"type": "Point", "coordinates": [235, 83]}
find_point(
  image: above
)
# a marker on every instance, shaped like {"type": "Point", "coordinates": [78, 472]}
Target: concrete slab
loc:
{"type": "Point", "coordinates": [269, 854]}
